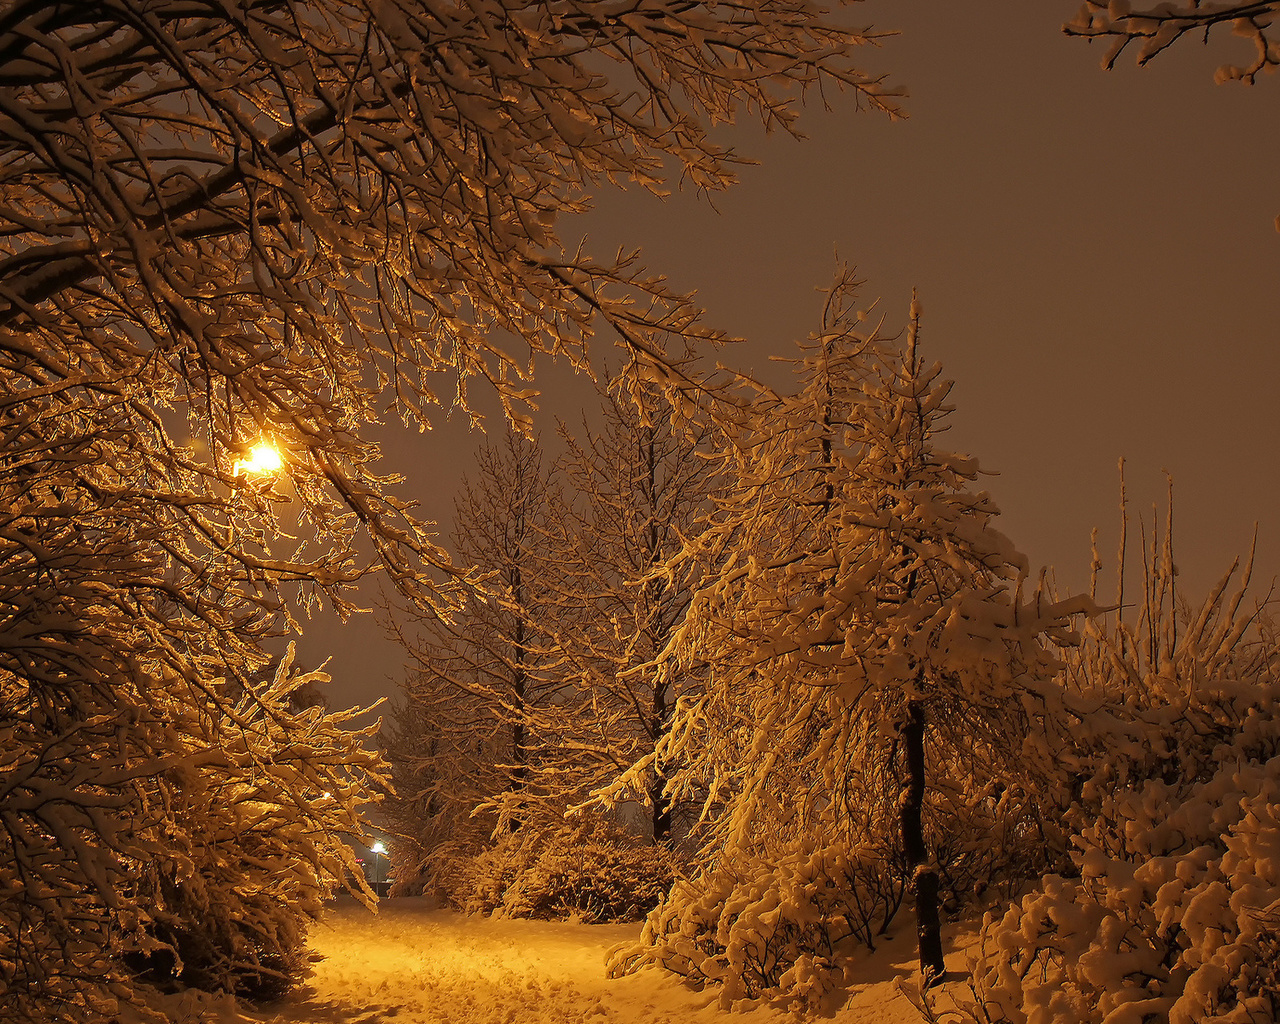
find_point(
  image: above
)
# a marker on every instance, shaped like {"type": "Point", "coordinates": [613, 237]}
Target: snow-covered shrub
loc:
{"type": "Point", "coordinates": [756, 922]}
{"type": "Point", "coordinates": [148, 833]}
{"type": "Point", "coordinates": [1175, 915]}
{"type": "Point", "coordinates": [252, 847]}
{"type": "Point", "coordinates": [186, 946]}
{"type": "Point", "coordinates": [483, 879]}
{"type": "Point", "coordinates": [594, 880]}
{"type": "Point", "coordinates": [589, 870]}
{"type": "Point", "coordinates": [987, 835]}
{"type": "Point", "coordinates": [1169, 906]}
{"type": "Point", "coordinates": [775, 920]}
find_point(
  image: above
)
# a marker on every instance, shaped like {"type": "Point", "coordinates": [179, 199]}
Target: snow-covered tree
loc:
{"type": "Point", "coordinates": [497, 653]}
{"type": "Point", "coordinates": [505, 722]}
{"type": "Point", "coordinates": [635, 489]}
{"type": "Point", "coordinates": [1154, 29]}
{"type": "Point", "coordinates": [541, 689]}
{"type": "Point", "coordinates": [229, 225]}
{"type": "Point", "coordinates": [536, 692]}
{"type": "Point", "coordinates": [858, 604]}
{"type": "Point", "coordinates": [144, 747]}
{"type": "Point", "coordinates": [295, 189]}
{"type": "Point", "coordinates": [482, 703]}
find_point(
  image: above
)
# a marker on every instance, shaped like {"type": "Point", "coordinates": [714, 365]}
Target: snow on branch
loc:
{"type": "Point", "coordinates": [1156, 29]}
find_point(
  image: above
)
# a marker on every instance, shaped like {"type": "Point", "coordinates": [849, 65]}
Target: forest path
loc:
{"type": "Point", "coordinates": [411, 964]}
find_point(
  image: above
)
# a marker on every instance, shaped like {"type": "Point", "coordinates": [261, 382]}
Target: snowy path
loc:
{"type": "Point", "coordinates": [410, 964]}
{"type": "Point", "coordinates": [417, 966]}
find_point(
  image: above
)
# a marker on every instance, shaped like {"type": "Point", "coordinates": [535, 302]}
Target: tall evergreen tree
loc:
{"type": "Point", "coordinates": [635, 489]}
{"type": "Point", "coordinates": [859, 603]}
{"type": "Point", "coordinates": [482, 702]}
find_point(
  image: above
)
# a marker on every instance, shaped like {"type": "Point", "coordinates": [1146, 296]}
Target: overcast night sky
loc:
{"type": "Point", "coordinates": [1096, 256]}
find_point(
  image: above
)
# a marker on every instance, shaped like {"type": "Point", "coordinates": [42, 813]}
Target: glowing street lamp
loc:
{"type": "Point", "coordinates": [264, 459]}
{"type": "Point", "coordinates": [377, 849]}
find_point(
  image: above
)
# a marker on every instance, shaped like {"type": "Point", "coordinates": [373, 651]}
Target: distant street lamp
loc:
{"type": "Point", "coordinates": [377, 849]}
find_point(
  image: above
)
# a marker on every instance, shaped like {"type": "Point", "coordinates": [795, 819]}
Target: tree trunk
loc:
{"type": "Point", "coordinates": [659, 632]}
{"type": "Point", "coordinates": [923, 878]}
{"type": "Point", "coordinates": [658, 786]}
{"type": "Point", "coordinates": [661, 810]}
{"type": "Point", "coordinates": [519, 684]}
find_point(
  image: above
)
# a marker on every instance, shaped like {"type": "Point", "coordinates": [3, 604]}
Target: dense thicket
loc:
{"type": "Point", "coordinates": [164, 800]}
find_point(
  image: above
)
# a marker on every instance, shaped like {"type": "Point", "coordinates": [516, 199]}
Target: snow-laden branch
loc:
{"type": "Point", "coordinates": [1153, 30]}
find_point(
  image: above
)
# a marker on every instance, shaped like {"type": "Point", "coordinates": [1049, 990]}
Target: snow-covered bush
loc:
{"type": "Point", "coordinates": [593, 880]}
{"type": "Point", "coordinates": [1175, 915]}
{"type": "Point", "coordinates": [1169, 906]}
{"type": "Point", "coordinates": [755, 922]}
{"type": "Point", "coordinates": [589, 870]}
{"type": "Point", "coordinates": [148, 833]}
{"type": "Point", "coordinates": [775, 920]}
{"type": "Point", "coordinates": [252, 848]}
{"type": "Point", "coordinates": [483, 879]}
{"type": "Point", "coordinates": [987, 835]}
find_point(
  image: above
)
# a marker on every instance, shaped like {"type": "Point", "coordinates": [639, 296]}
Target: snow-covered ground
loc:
{"type": "Point", "coordinates": [413, 964]}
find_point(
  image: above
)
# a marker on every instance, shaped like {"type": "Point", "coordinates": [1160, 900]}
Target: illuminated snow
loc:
{"type": "Point", "coordinates": [412, 964]}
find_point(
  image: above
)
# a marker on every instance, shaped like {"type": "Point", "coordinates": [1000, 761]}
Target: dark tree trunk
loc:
{"type": "Point", "coordinates": [519, 686]}
{"type": "Point", "coordinates": [658, 786]}
{"type": "Point", "coordinates": [658, 631]}
{"type": "Point", "coordinates": [661, 810]}
{"type": "Point", "coordinates": [924, 879]}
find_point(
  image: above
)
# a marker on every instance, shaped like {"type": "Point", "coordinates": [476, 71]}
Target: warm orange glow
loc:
{"type": "Point", "coordinates": [264, 459]}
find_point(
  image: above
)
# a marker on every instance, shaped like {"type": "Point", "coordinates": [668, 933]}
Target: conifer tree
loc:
{"type": "Point", "coordinates": [556, 645]}
{"type": "Point", "coordinates": [635, 489]}
{"type": "Point", "coordinates": [860, 605]}
{"type": "Point", "coordinates": [486, 680]}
